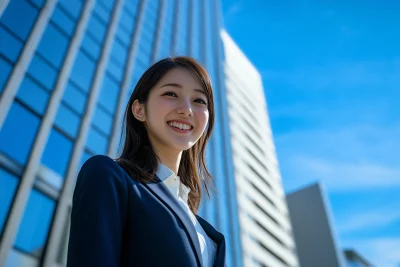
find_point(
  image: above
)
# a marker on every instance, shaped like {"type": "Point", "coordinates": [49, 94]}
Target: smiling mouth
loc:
{"type": "Point", "coordinates": [180, 127]}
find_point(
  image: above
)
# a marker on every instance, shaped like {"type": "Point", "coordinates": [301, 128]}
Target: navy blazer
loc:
{"type": "Point", "coordinates": [117, 221]}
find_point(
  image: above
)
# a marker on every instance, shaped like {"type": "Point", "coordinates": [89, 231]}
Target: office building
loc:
{"type": "Point", "coordinates": [265, 228]}
{"type": "Point", "coordinates": [67, 69]}
{"type": "Point", "coordinates": [313, 229]}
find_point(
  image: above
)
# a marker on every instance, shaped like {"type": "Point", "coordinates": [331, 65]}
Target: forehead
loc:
{"type": "Point", "coordinates": [181, 76]}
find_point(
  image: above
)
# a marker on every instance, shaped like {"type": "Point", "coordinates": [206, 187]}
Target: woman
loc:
{"type": "Point", "coordinates": [140, 209]}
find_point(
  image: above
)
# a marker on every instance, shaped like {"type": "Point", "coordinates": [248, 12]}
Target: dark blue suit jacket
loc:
{"type": "Point", "coordinates": [117, 221]}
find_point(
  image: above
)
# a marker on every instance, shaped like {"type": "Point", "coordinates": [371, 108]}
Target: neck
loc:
{"type": "Point", "coordinates": [170, 159]}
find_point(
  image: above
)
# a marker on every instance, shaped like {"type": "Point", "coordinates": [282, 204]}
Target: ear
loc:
{"type": "Point", "coordinates": [138, 111]}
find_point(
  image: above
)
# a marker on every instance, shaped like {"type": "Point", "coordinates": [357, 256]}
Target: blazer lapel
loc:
{"type": "Point", "coordinates": [162, 192]}
{"type": "Point", "coordinates": [218, 238]}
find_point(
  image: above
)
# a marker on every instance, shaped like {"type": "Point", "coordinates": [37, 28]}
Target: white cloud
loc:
{"type": "Point", "coordinates": [381, 252]}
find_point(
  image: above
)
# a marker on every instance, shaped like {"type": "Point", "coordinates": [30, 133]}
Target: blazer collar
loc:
{"type": "Point", "coordinates": [218, 238]}
{"type": "Point", "coordinates": [159, 189]}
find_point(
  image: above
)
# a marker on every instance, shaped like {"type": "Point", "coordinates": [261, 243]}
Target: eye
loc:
{"type": "Point", "coordinates": [201, 101]}
{"type": "Point", "coordinates": [170, 94]}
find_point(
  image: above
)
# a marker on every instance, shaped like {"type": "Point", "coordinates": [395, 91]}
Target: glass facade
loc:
{"type": "Point", "coordinates": [66, 107]}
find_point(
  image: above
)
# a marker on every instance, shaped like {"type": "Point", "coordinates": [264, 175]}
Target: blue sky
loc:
{"type": "Point", "coordinates": [331, 72]}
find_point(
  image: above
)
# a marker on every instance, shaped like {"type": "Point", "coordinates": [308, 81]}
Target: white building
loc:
{"type": "Point", "coordinates": [266, 231]}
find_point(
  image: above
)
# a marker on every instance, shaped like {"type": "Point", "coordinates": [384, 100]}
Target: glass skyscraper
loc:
{"type": "Point", "coordinates": [67, 69]}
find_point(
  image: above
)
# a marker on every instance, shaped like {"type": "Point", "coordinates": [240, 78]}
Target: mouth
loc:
{"type": "Point", "coordinates": [180, 127]}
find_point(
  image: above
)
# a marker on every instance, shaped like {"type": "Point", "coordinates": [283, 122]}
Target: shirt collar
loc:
{"type": "Point", "coordinates": [173, 182]}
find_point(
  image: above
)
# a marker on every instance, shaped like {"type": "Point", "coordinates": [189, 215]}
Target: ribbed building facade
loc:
{"type": "Point", "coordinates": [67, 69]}
{"type": "Point", "coordinates": [265, 227]}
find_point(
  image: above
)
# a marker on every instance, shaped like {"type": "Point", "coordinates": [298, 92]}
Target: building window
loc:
{"type": "Point", "coordinates": [33, 95]}
{"type": "Point", "coordinates": [10, 46]}
{"type": "Point", "coordinates": [18, 133]}
{"type": "Point", "coordinates": [57, 152]}
{"type": "Point", "coordinates": [19, 11]}
{"type": "Point", "coordinates": [9, 185]}
{"type": "Point", "coordinates": [53, 45]}
{"type": "Point", "coordinates": [82, 71]}
{"type": "Point", "coordinates": [108, 94]}
{"type": "Point", "coordinates": [96, 28]}
{"type": "Point", "coordinates": [72, 7]}
{"type": "Point", "coordinates": [91, 47]}
{"type": "Point", "coordinates": [43, 72]}
{"type": "Point", "coordinates": [5, 68]}
{"type": "Point", "coordinates": [74, 98]}
{"type": "Point", "coordinates": [63, 20]}
{"type": "Point", "coordinates": [96, 142]}
{"type": "Point", "coordinates": [102, 120]}
{"type": "Point", "coordinates": [35, 224]}
{"type": "Point", "coordinates": [67, 120]}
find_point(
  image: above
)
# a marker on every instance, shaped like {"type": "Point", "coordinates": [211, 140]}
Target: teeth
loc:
{"type": "Point", "coordinates": [179, 125]}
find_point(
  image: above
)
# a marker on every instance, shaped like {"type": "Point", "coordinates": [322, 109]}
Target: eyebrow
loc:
{"type": "Point", "coordinates": [180, 86]}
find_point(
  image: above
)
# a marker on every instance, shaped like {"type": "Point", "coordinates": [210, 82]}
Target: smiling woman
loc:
{"type": "Point", "coordinates": [140, 209]}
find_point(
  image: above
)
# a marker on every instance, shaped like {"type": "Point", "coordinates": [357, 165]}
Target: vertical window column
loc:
{"type": "Point", "coordinates": [78, 149]}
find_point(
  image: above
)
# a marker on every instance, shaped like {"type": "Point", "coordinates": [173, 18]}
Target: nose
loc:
{"type": "Point", "coordinates": [185, 109]}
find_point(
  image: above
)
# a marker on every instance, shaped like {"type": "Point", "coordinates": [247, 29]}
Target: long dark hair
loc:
{"type": "Point", "coordinates": [138, 157]}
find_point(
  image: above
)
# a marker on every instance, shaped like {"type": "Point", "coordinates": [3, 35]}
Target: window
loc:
{"type": "Point", "coordinates": [57, 152]}
{"type": "Point", "coordinates": [119, 52]}
{"type": "Point", "coordinates": [127, 21]}
{"type": "Point", "coordinates": [16, 12]}
{"type": "Point", "coordinates": [18, 133]}
{"type": "Point", "coordinates": [85, 156]}
{"type": "Point", "coordinates": [5, 70]}
{"type": "Point", "coordinates": [96, 28]}
{"type": "Point", "coordinates": [72, 7]}
{"type": "Point", "coordinates": [115, 70]}
{"type": "Point", "coordinates": [96, 142]}
{"type": "Point", "coordinates": [124, 36]}
{"type": "Point", "coordinates": [9, 185]}
{"type": "Point", "coordinates": [53, 45]}
{"type": "Point", "coordinates": [10, 47]}
{"type": "Point", "coordinates": [82, 71]}
{"type": "Point", "coordinates": [33, 95]}
{"type": "Point", "coordinates": [102, 12]}
{"type": "Point", "coordinates": [62, 20]}
{"type": "Point", "coordinates": [108, 94]}
{"type": "Point", "coordinates": [67, 120]}
{"type": "Point", "coordinates": [74, 98]}
{"type": "Point", "coordinates": [43, 72]}
{"type": "Point", "coordinates": [38, 3]}
{"type": "Point", "coordinates": [132, 5]}
{"type": "Point", "coordinates": [91, 47]}
{"type": "Point", "coordinates": [35, 224]}
{"type": "Point", "coordinates": [102, 120]}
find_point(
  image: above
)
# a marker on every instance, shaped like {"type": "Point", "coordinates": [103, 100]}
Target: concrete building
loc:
{"type": "Point", "coordinates": [67, 69]}
{"type": "Point", "coordinates": [313, 229]}
{"type": "Point", "coordinates": [265, 227]}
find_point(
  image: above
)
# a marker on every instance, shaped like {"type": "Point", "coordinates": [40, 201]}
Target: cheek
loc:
{"type": "Point", "coordinates": [203, 118]}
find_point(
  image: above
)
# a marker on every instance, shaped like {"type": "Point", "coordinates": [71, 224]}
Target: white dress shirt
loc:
{"type": "Point", "coordinates": [181, 192]}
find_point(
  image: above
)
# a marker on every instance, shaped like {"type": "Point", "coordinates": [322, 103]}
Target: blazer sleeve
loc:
{"type": "Point", "coordinates": [98, 215]}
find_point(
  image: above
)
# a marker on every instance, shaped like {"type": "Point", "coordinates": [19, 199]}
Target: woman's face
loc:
{"type": "Point", "coordinates": [176, 112]}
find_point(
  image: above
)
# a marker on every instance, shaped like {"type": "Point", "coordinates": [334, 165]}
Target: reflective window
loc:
{"type": "Point", "coordinates": [106, 3]}
{"type": "Point", "coordinates": [53, 45]}
{"type": "Point", "coordinates": [96, 142]}
{"type": "Point", "coordinates": [10, 47]}
{"type": "Point", "coordinates": [102, 120]}
{"type": "Point", "coordinates": [5, 70]}
{"type": "Point", "coordinates": [85, 156]}
{"type": "Point", "coordinates": [57, 152]}
{"type": "Point", "coordinates": [33, 95]}
{"type": "Point", "coordinates": [116, 70]}
{"type": "Point", "coordinates": [124, 36]}
{"type": "Point", "coordinates": [73, 7]}
{"type": "Point", "coordinates": [43, 72]}
{"type": "Point", "coordinates": [18, 133]}
{"type": "Point", "coordinates": [35, 224]}
{"type": "Point", "coordinates": [9, 185]}
{"type": "Point", "coordinates": [74, 98]}
{"type": "Point", "coordinates": [132, 5]}
{"type": "Point", "coordinates": [96, 28]}
{"type": "Point", "coordinates": [82, 71]}
{"type": "Point", "coordinates": [119, 52]}
{"type": "Point", "coordinates": [91, 47]}
{"type": "Point", "coordinates": [108, 94]}
{"type": "Point", "coordinates": [104, 13]}
{"type": "Point", "coordinates": [127, 21]}
{"type": "Point", "coordinates": [67, 120]}
{"type": "Point", "coordinates": [17, 11]}
{"type": "Point", "coordinates": [62, 20]}
{"type": "Point", "coordinates": [38, 3]}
